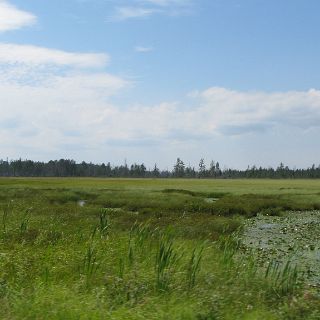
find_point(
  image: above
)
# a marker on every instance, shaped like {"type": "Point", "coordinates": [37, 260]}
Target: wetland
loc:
{"type": "Point", "coordinates": [159, 249]}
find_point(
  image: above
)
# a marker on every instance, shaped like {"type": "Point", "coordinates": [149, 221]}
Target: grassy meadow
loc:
{"type": "Point", "coordinates": [147, 249]}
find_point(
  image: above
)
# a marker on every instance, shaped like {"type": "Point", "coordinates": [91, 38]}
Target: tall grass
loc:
{"type": "Point", "coordinates": [25, 221]}
{"type": "Point", "coordinates": [193, 267]}
{"type": "Point", "coordinates": [90, 263]}
{"type": "Point", "coordinates": [166, 259]}
{"type": "Point", "coordinates": [283, 278]}
{"type": "Point", "coordinates": [104, 222]}
{"type": "Point", "coordinates": [143, 233]}
{"type": "Point", "coordinates": [229, 246]}
{"type": "Point", "coordinates": [7, 210]}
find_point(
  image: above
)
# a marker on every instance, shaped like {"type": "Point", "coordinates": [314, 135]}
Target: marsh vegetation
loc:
{"type": "Point", "coordinates": [158, 249]}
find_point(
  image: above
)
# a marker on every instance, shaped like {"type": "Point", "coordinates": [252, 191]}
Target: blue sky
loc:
{"type": "Point", "coordinates": [153, 80]}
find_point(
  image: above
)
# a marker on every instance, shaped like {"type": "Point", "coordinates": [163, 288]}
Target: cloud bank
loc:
{"type": "Point", "coordinates": [235, 112]}
{"type": "Point", "coordinates": [76, 109]}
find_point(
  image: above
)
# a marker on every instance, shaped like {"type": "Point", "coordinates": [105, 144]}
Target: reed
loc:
{"type": "Point", "coordinates": [193, 267]}
{"type": "Point", "coordinates": [283, 278]}
{"type": "Point", "coordinates": [166, 259]}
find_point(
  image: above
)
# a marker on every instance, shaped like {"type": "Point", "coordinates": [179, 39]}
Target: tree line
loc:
{"type": "Point", "coordinates": [70, 168]}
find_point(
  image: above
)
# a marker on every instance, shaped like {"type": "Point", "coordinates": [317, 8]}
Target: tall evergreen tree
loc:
{"type": "Point", "coordinates": [202, 168]}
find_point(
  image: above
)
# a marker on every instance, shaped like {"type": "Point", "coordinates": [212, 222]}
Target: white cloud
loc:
{"type": "Point", "coordinates": [235, 112]}
{"type": "Point", "coordinates": [124, 13]}
{"type": "Point", "coordinates": [168, 2]}
{"type": "Point", "coordinates": [76, 109]}
{"type": "Point", "coordinates": [49, 110]}
{"type": "Point", "coordinates": [219, 112]}
{"type": "Point", "coordinates": [147, 8]}
{"type": "Point", "coordinates": [12, 18]}
{"type": "Point", "coordinates": [33, 55]}
{"type": "Point", "coordinates": [143, 49]}
{"type": "Point", "coordinates": [49, 98]}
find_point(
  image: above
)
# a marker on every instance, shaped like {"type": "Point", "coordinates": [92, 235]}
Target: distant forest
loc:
{"type": "Point", "coordinates": [70, 168]}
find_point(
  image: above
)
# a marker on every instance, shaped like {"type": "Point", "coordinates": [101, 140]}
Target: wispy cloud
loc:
{"type": "Point", "coordinates": [12, 18]}
{"type": "Point", "coordinates": [124, 13]}
{"type": "Point", "coordinates": [167, 3]}
{"type": "Point", "coordinates": [142, 49]}
{"type": "Point", "coordinates": [27, 54]}
{"type": "Point", "coordinates": [147, 8]}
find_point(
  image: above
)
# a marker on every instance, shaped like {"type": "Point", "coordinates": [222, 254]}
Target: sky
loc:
{"type": "Point", "coordinates": [235, 81]}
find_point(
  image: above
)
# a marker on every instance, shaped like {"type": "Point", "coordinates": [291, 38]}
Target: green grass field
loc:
{"type": "Point", "coordinates": [146, 249]}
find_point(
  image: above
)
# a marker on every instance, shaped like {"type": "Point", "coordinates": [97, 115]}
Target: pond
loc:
{"type": "Point", "coordinates": [293, 237]}
{"type": "Point", "coordinates": [82, 203]}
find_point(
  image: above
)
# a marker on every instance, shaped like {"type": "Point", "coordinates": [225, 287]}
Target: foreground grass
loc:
{"type": "Point", "coordinates": [160, 249]}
